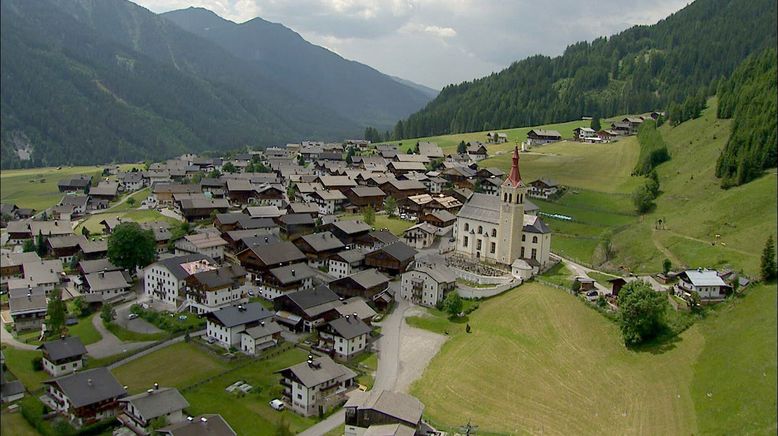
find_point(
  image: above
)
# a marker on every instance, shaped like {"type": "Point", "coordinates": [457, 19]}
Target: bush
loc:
{"type": "Point", "coordinates": [37, 363]}
{"type": "Point", "coordinates": [641, 312]}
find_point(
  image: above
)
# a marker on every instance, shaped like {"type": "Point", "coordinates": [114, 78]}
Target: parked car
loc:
{"type": "Point", "coordinates": [277, 404]}
{"type": "Point", "coordinates": [251, 293]}
{"type": "Point", "coordinates": [132, 316]}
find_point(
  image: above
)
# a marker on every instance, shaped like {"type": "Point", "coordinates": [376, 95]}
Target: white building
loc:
{"type": "Point", "coordinates": [285, 280]}
{"type": "Point", "coordinates": [346, 336]}
{"type": "Point", "coordinates": [140, 409]}
{"type": "Point", "coordinates": [63, 356]}
{"type": "Point", "coordinates": [420, 236]}
{"type": "Point", "coordinates": [315, 386]}
{"type": "Point", "coordinates": [329, 201]}
{"type": "Point", "coordinates": [706, 282]}
{"type": "Point", "coordinates": [346, 262]}
{"type": "Point", "coordinates": [165, 281]}
{"type": "Point", "coordinates": [427, 284]}
{"type": "Point", "coordinates": [227, 324]}
{"type": "Point", "coordinates": [500, 231]}
{"type": "Point", "coordinates": [86, 396]}
{"type": "Point", "coordinates": [258, 338]}
{"type": "Point", "coordinates": [207, 244]}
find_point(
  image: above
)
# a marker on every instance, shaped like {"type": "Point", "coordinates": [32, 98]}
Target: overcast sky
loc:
{"type": "Point", "coordinates": [437, 42]}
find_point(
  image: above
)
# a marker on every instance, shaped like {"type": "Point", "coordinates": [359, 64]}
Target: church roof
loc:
{"type": "Point", "coordinates": [481, 207]}
{"type": "Point", "coordinates": [534, 224]}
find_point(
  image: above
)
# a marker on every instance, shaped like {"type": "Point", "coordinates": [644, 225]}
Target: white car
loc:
{"type": "Point", "coordinates": [132, 316]}
{"type": "Point", "coordinates": [277, 404]}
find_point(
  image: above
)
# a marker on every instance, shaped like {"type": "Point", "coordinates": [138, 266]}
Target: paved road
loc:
{"type": "Point", "coordinates": [8, 339]}
{"type": "Point", "coordinates": [159, 346]}
{"type": "Point", "coordinates": [332, 422]}
{"type": "Point", "coordinates": [110, 344]}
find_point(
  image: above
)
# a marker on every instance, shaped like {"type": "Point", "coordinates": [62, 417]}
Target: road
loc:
{"type": "Point", "coordinates": [110, 344]}
{"type": "Point", "coordinates": [8, 339]}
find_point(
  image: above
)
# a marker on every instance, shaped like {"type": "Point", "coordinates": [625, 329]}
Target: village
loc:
{"type": "Point", "coordinates": [309, 247]}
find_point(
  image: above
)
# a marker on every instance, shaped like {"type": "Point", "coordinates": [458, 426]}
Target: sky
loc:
{"type": "Point", "coordinates": [437, 42]}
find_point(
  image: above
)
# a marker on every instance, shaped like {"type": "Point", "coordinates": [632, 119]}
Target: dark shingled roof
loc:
{"type": "Point", "coordinates": [351, 227]}
{"type": "Point", "coordinates": [214, 425]}
{"type": "Point", "coordinates": [400, 251]}
{"type": "Point", "coordinates": [158, 402]}
{"type": "Point", "coordinates": [313, 297]}
{"type": "Point", "coordinates": [323, 241]}
{"type": "Point", "coordinates": [292, 273]}
{"type": "Point", "coordinates": [349, 327]}
{"type": "Point", "coordinates": [297, 219]}
{"type": "Point", "coordinates": [233, 315]}
{"type": "Point", "coordinates": [89, 386]}
{"type": "Point", "coordinates": [275, 254]}
{"type": "Point", "coordinates": [173, 264]}
{"type": "Point", "coordinates": [65, 348]}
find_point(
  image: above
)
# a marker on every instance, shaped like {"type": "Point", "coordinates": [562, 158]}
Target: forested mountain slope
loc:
{"type": "Point", "coordinates": [641, 69]}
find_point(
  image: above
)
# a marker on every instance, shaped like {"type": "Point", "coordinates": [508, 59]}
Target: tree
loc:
{"type": "Point", "coordinates": [56, 312]}
{"type": "Point", "coordinates": [40, 245]}
{"type": "Point", "coordinates": [80, 305]}
{"type": "Point", "coordinates": [85, 231]}
{"type": "Point", "coordinates": [735, 283]}
{"type": "Point", "coordinates": [462, 147]}
{"type": "Point", "coordinates": [131, 247]}
{"type": "Point", "coordinates": [283, 428]}
{"type": "Point", "coordinates": [301, 160]}
{"type": "Point", "coordinates": [28, 246]}
{"type": "Point", "coordinates": [107, 313]}
{"type": "Point", "coordinates": [596, 126]}
{"type": "Point", "coordinates": [131, 202]}
{"type": "Point", "coordinates": [350, 152]}
{"type": "Point", "coordinates": [452, 304]}
{"type": "Point", "coordinates": [229, 167]}
{"type": "Point", "coordinates": [575, 286]}
{"type": "Point", "coordinates": [368, 214]}
{"type": "Point", "coordinates": [667, 265]}
{"type": "Point", "coordinates": [642, 199]}
{"type": "Point", "coordinates": [390, 206]}
{"type": "Point", "coordinates": [642, 312]}
{"type": "Point", "coordinates": [768, 259]}
{"type": "Point", "coordinates": [652, 184]}
{"type": "Point", "coordinates": [215, 174]}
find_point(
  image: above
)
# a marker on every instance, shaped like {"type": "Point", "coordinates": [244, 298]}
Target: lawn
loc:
{"type": "Point", "coordinates": [15, 424]}
{"type": "Point", "coordinates": [178, 365]}
{"type": "Point", "coordinates": [558, 275]}
{"type": "Point", "coordinates": [538, 360]}
{"type": "Point", "coordinates": [126, 335]}
{"type": "Point", "coordinates": [85, 330]}
{"type": "Point", "coordinates": [395, 225]}
{"type": "Point", "coordinates": [138, 215]}
{"type": "Point", "coordinates": [139, 196]}
{"type": "Point", "coordinates": [249, 414]}
{"type": "Point", "coordinates": [366, 364]}
{"type": "Point", "coordinates": [37, 187]}
{"type": "Point", "coordinates": [19, 362]}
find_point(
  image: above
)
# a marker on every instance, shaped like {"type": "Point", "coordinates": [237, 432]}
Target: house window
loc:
{"type": "Point", "coordinates": [478, 245]}
{"type": "Point", "coordinates": [534, 239]}
{"type": "Point", "coordinates": [492, 247]}
{"type": "Point", "coordinates": [522, 253]}
{"type": "Point", "coordinates": [467, 227]}
{"type": "Point", "coordinates": [494, 233]}
{"type": "Point", "coordinates": [464, 242]}
{"type": "Point", "coordinates": [480, 230]}
{"type": "Point", "coordinates": [534, 253]}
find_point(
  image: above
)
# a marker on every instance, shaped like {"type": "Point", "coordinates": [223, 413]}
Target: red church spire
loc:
{"type": "Point", "coordinates": [514, 178]}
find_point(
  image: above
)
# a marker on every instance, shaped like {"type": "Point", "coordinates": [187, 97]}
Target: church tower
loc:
{"type": "Point", "coordinates": [513, 191]}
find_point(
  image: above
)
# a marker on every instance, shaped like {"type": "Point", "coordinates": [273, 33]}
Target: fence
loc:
{"type": "Point", "coordinates": [481, 279]}
{"type": "Point", "coordinates": [468, 292]}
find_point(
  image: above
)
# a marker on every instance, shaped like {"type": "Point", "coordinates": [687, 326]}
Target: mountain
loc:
{"type": "Point", "coordinates": [353, 90]}
{"type": "Point", "coordinates": [643, 68]}
{"type": "Point", "coordinates": [432, 93]}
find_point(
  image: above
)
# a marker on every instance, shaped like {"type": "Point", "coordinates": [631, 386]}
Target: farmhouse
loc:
{"type": "Point", "coordinates": [366, 284]}
{"type": "Point", "coordinates": [420, 236]}
{"type": "Point", "coordinates": [393, 258]}
{"type": "Point", "coordinates": [106, 285]}
{"type": "Point", "coordinates": [430, 149]}
{"type": "Point", "coordinates": [200, 207]}
{"type": "Point", "coordinates": [307, 309]}
{"type": "Point", "coordinates": [75, 184]}
{"type": "Point", "coordinates": [260, 337]}
{"type": "Point", "coordinates": [286, 279]}
{"type": "Point", "coordinates": [207, 244]}
{"type": "Point", "coordinates": [210, 425]}
{"type": "Point", "coordinates": [260, 259]}
{"type": "Point", "coordinates": [11, 263]}
{"type": "Point", "coordinates": [427, 284]}
{"type": "Point", "coordinates": [63, 356]}
{"type": "Point", "coordinates": [156, 403]}
{"type": "Point", "coordinates": [439, 218]}
{"type": "Point", "coordinates": [706, 282]}
{"type": "Point", "coordinates": [27, 308]}
{"type": "Point", "coordinates": [501, 231]}
{"type": "Point", "coordinates": [105, 191]}
{"type": "Point", "coordinates": [400, 414]}
{"type": "Point", "coordinates": [496, 137]}
{"type": "Point", "coordinates": [226, 324]}
{"type": "Point", "coordinates": [315, 386]}
{"type": "Point", "coordinates": [85, 397]}
{"type": "Point", "coordinates": [366, 196]}
{"type": "Point", "coordinates": [346, 262]}
{"type": "Point", "coordinates": [542, 188]}
{"type": "Point", "coordinates": [349, 231]}
{"type": "Point", "coordinates": [213, 289]}
{"type": "Point", "coordinates": [294, 225]}
{"type": "Point", "coordinates": [400, 189]}
{"type": "Point", "coordinates": [583, 133]}
{"type": "Point", "coordinates": [329, 201]}
{"type": "Point", "coordinates": [344, 337]}
{"type": "Point", "coordinates": [542, 136]}
{"type": "Point", "coordinates": [165, 280]}
{"type": "Point", "coordinates": [477, 151]}
{"type": "Point", "coordinates": [318, 247]}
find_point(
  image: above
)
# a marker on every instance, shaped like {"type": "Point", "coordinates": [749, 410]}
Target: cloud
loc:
{"type": "Point", "coordinates": [436, 42]}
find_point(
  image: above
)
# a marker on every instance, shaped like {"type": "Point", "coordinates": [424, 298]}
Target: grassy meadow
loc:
{"type": "Point", "coordinates": [539, 361]}
{"type": "Point", "coordinates": [37, 187]}
{"type": "Point", "coordinates": [138, 215]}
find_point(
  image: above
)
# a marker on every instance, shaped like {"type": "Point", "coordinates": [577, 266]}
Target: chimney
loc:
{"type": "Point", "coordinates": [292, 272]}
{"type": "Point", "coordinates": [354, 315]}
{"type": "Point", "coordinates": [346, 317]}
{"type": "Point", "coordinates": [262, 323]}
{"type": "Point", "coordinates": [156, 386]}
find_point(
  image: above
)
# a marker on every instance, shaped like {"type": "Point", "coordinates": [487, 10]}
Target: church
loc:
{"type": "Point", "coordinates": [499, 229]}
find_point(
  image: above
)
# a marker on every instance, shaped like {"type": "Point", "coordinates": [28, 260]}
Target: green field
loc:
{"type": "Point", "coordinates": [395, 225]}
{"type": "Point", "coordinates": [85, 330]}
{"type": "Point", "coordinates": [539, 361]}
{"type": "Point", "coordinates": [15, 424]}
{"type": "Point", "coordinates": [182, 365]}
{"type": "Point", "coordinates": [19, 362]}
{"type": "Point", "coordinates": [37, 187]}
{"type": "Point", "coordinates": [138, 215]}
{"type": "Point", "coordinates": [515, 136]}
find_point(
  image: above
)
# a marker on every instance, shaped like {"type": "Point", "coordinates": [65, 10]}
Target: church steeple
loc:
{"type": "Point", "coordinates": [514, 178]}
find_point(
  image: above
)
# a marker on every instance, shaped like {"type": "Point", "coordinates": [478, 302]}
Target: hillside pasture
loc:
{"type": "Point", "coordinates": [138, 215]}
{"type": "Point", "coordinates": [539, 361]}
{"type": "Point", "coordinates": [37, 187]}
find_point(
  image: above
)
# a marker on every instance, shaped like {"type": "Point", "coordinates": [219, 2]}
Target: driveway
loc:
{"type": "Point", "coordinates": [110, 344]}
{"type": "Point", "coordinates": [7, 338]}
{"type": "Point", "coordinates": [137, 325]}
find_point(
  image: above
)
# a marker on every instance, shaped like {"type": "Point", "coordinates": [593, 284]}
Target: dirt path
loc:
{"type": "Point", "coordinates": [664, 250]}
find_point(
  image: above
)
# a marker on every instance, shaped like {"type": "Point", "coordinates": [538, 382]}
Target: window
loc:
{"type": "Point", "coordinates": [464, 242]}
{"type": "Point", "coordinates": [523, 238]}
{"type": "Point", "coordinates": [522, 253]}
{"type": "Point", "coordinates": [534, 239]}
{"type": "Point", "coordinates": [478, 245]}
{"type": "Point", "coordinates": [467, 227]}
{"type": "Point", "coordinates": [534, 253]}
{"type": "Point", "coordinates": [494, 233]}
{"type": "Point", "coordinates": [492, 247]}
{"type": "Point", "coordinates": [480, 230]}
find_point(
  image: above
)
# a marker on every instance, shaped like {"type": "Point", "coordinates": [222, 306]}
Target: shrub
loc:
{"type": "Point", "coordinates": [37, 363]}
